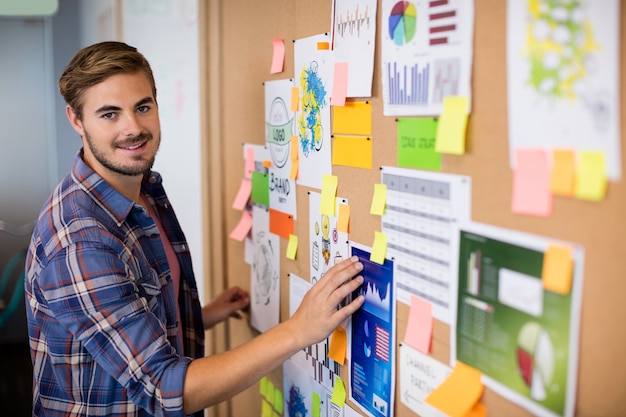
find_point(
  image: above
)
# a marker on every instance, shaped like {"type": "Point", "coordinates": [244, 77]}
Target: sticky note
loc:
{"type": "Point", "coordinates": [295, 166]}
{"type": "Point", "coordinates": [293, 150]}
{"type": "Point", "coordinates": [416, 143]}
{"type": "Point", "coordinates": [295, 98]}
{"type": "Point", "coordinates": [452, 126]}
{"type": "Point", "coordinates": [458, 394]}
{"type": "Point", "coordinates": [278, 56]}
{"type": "Point", "coordinates": [323, 46]}
{"type": "Point", "coordinates": [267, 163]}
{"type": "Point", "coordinates": [266, 409]}
{"type": "Point", "coordinates": [278, 401]}
{"type": "Point", "coordinates": [260, 188]}
{"type": "Point", "coordinates": [352, 151]}
{"type": "Point", "coordinates": [243, 195]}
{"type": "Point", "coordinates": [338, 346]}
{"type": "Point", "coordinates": [479, 410]}
{"type": "Point", "coordinates": [531, 183]}
{"type": "Point", "coordinates": [292, 247]}
{"type": "Point", "coordinates": [270, 391]}
{"type": "Point", "coordinates": [263, 387]}
{"type": "Point", "coordinates": [339, 393]}
{"type": "Point", "coordinates": [281, 223]}
{"type": "Point", "coordinates": [276, 414]}
{"type": "Point", "coordinates": [340, 84]}
{"type": "Point", "coordinates": [315, 404]}
{"type": "Point", "coordinates": [563, 175]}
{"type": "Point", "coordinates": [343, 219]}
{"type": "Point", "coordinates": [353, 118]}
{"type": "Point", "coordinates": [243, 227]}
{"type": "Point", "coordinates": [419, 328]}
{"type": "Point", "coordinates": [379, 200]}
{"type": "Point", "coordinates": [379, 248]}
{"type": "Point", "coordinates": [249, 167]}
{"type": "Point", "coordinates": [558, 267]}
{"type": "Point", "coordinates": [591, 176]}
{"type": "Point", "coordinates": [328, 195]}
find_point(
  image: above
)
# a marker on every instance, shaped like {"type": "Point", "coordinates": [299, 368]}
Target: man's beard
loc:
{"type": "Point", "coordinates": [133, 170]}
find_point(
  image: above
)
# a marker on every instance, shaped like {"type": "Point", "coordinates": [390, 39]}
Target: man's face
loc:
{"type": "Point", "coordinates": [120, 126]}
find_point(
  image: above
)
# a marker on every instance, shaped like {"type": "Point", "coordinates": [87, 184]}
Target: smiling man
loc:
{"type": "Point", "coordinates": [114, 320]}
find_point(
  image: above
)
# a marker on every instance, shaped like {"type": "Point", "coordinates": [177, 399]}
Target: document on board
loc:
{"type": "Point", "coordinates": [422, 218]}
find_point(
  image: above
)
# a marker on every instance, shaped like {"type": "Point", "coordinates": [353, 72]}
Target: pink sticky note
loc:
{"type": "Point", "coordinates": [419, 329]}
{"type": "Point", "coordinates": [243, 195]}
{"type": "Point", "coordinates": [340, 84]}
{"type": "Point", "coordinates": [249, 162]}
{"type": "Point", "coordinates": [243, 227]}
{"type": "Point", "coordinates": [531, 183]}
{"type": "Point", "coordinates": [278, 57]}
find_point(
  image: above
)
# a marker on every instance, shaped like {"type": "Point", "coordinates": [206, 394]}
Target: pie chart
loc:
{"type": "Point", "coordinates": [535, 358]}
{"type": "Point", "coordinates": [402, 22]}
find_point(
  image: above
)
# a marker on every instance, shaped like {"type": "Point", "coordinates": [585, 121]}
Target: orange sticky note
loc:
{"type": "Point", "coordinates": [278, 56]}
{"type": "Point", "coordinates": [379, 200]}
{"type": "Point", "coordinates": [343, 219]}
{"type": "Point", "coordinates": [563, 176]}
{"type": "Point", "coordinates": [295, 166]}
{"type": "Point", "coordinates": [459, 393]}
{"type": "Point", "coordinates": [379, 248]}
{"type": "Point", "coordinates": [267, 163]}
{"type": "Point", "coordinates": [352, 151]}
{"type": "Point", "coordinates": [295, 98]}
{"type": "Point", "coordinates": [281, 223]}
{"type": "Point", "coordinates": [340, 84]}
{"type": "Point", "coordinates": [249, 162]}
{"type": "Point", "coordinates": [293, 151]}
{"type": "Point", "coordinates": [479, 410]}
{"type": "Point", "coordinates": [243, 227]}
{"type": "Point", "coordinates": [591, 176]}
{"type": "Point", "coordinates": [419, 329]}
{"type": "Point", "coordinates": [292, 247]}
{"type": "Point", "coordinates": [353, 118]}
{"type": "Point", "coordinates": [452, 126]}
{"type": "Point", "coordinates": [328, 195]}
{"type": "Point", "coordinates": [339, 393]}
{"type": "Point", "coordinates": [558, 267]}
{"type": "Point", "coordinates": [338, 346]}
{"type": "Point", "coordinates": [243, 195]}
{"type": "Point", "coordinates": [531, 183]}
{"type": "Point", "coordinates": [323, 46]}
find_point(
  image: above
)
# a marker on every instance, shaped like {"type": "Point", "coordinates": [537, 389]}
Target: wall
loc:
{"type": "Point", "coordinates": [246, 31]}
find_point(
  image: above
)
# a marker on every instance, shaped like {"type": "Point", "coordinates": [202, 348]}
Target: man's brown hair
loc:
{"type": "Point", "coordinates": [94, 64]}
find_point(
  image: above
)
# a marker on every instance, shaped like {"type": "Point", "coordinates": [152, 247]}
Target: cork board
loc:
{"type": "Point", "coordinates": [244, 49]}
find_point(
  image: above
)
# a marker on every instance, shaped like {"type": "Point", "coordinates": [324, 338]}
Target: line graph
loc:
{"type": "Point", "coordinates": [350, 23]}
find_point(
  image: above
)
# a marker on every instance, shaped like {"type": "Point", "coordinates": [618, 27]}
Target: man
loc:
{"type": "Point", "coordinates": [114, 320]}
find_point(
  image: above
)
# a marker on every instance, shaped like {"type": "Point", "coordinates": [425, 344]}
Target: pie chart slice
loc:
{"type": "Point", "coordinates": [535, 358]}
{"type": "Point", "coordinates": [402, 22]}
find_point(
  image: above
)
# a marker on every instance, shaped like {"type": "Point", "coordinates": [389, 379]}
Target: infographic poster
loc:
{"type": "Point", "coordinates": [373, 338]}
{"type": "Point", "coordinates": [520, 335]}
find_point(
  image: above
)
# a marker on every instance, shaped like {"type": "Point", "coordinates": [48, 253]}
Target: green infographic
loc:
{"type": "Point", "coordinates": [522, 337]}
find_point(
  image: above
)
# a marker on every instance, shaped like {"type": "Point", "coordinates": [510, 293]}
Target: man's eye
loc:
{"type": "Point", "coordinates": [143, 109]}
{"type": "Point", "coordinates": [108, 115]}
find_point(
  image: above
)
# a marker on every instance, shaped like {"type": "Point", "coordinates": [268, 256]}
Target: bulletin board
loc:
{"type": "Point", "coordinates": [241, 55]}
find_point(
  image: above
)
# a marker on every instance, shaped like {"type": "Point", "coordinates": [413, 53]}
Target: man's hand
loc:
{"type": "Point", "coordinates": [228, 304]}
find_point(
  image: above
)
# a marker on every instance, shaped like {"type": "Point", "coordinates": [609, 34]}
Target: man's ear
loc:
{"type": "Point", "coordinates": [75, 121]}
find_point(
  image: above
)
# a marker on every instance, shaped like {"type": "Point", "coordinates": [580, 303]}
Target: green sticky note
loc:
{"type": "Point", "coordinates": [263, 387]}
{"type": "Point", "coordinates": [416, 143]}
{"type": "Point", "coordinates": [339, 393]}
{"type": "Point", "coordinates": [316, 405]}
{"type": "Point", "coordinates": [270, 392]}
{"type": "Point", "coordinates": [278, 401]}
{"type": "Point", "coordinates": [260, 188]}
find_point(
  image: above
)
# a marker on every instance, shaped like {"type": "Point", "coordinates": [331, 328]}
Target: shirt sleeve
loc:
{"type": "Point", "coordinates": [108, 304]}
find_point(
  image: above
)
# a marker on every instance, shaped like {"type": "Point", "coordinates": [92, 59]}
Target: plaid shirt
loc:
{"type": "Point", "coordinates": [101, 309]}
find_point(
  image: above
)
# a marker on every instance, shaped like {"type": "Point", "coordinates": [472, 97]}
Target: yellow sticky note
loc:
{"type": "Point", "coordinates": [353, 118]}
{"type": "Point", "coordinates": [295, 166]}
{"type": "Point", "coordinates": [328, 195]}
{"type": "Point", "coordinates": [379, 200]}
{"type": "Point", "coordinates": [338, 346]}
{"type": "Point", "coordinates": [263, 387]}
{"type": "Point", "coordinates": [315, 404]}
{"type": "Point", "coordinates": [452, 126]}
{"type": "Point", "coordinates": [343, 219]}
{"type": "Point", "coordinates": [339, 393]}
{"type": "Point", "coordinates": [459, 393]}
{"type": "Point", "coordinates": [266, 409]}
{"type": "Point", "coordinates": [293, 151]}
{"type": "Point", "coordinates": [591, 178]}
{"type": "Point", "coordinates": [270, 391]}
{"type": "Point", "coordinates": [352, 151]}
{"type": "Point", "coordinates": [379, 248]}
{"type": "Point", "coordinates": [292, 247]}
{"type": "Point", "coordinates": [563, 175]}
{"type": "Point", "coordinates": [278, 402]}
{"type": "Point", "coordinates": [558, 267]}
{"type": "Point", "coordinates": [295, 98]}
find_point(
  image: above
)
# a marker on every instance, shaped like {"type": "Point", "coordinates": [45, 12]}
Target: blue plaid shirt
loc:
{"type": "Point", "coordinates": [100, 303]}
